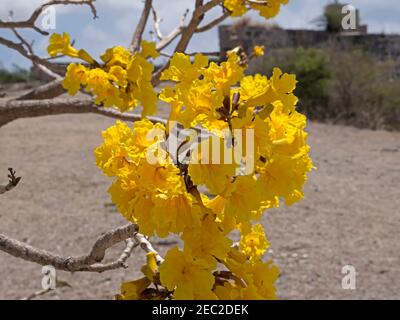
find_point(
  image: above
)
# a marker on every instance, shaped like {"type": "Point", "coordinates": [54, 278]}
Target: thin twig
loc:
{"type": "Point", "coordinates": [30, 23]}
{"type": "Point", "coordinates": [147, 246]}
{"type": "Point", "coordinates": [167, 40]}
{"type": "Point", "coordinates": [213, 23]}
{"type": "Point", "coordinates": [157, 22]}
{"type": "Point", "coordinates": [37, 294]}
{"type": "Point", "coordinates": [12, 183]}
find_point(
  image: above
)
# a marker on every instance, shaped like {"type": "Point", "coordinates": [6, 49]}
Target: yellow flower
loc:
{"type": "Point", "coordinates": [145, 133]}
{"type": "Point", "coordinates": [263, 275]}
{"type": "Point", "coordinates": [132, 290]}
{"type": "Point", "coordinates": [237, 7]}
{"type": "Point", "coordinates": [119, 76]}
{"type": "Point", "coordinates": [60, 44]}
{"type": "Point", "coordinates": [188, 277]}
{"type": "Point", "coordinates": [226, 74]}
{"type": "Point", "coordinates": [139, 73]}
{"type": "Point", "coordinates": [207, 242]}
{"type": "Point", "coordinates": [207, 165]}
{"type": "Point", "coordinates": [254, 242]}
{"type": "Point", "coordinates": [200, 103]}
{"type": "Point", "coordinates": [243, 198]}
{"type": "Point", "coordinates": [240, 7]}
{"type": "Point", "coordinates": [283, 83]}
{"type": "Point", "coordinates": [117, 148]}
{"type": "Point", "coordinates": [253, 279]}
{"type": "Point", "coordinates": [268, 11]}
{"type": "Point", "coordinates": [116, 56]}
{"type": "Point", "coordinates": [286, 175]}
{"type": "Point", "coordinates": [123, 192]}
{"type": "Point", "coordinates": [150, 268]}
{"type": "Point", "coordinates": [149, 50]}
{"type": "Point", "coordinates": [182, 70]}
{"type": "Point", "coordinates": [75, 77]}
{"type": "Point", "coordinates": [258, 51]}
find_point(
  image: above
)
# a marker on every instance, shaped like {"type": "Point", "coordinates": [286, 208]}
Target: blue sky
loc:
{"type": "Point", "coordinates": [117, 19]}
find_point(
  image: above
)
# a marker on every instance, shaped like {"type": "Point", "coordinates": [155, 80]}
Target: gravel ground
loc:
{"type": "Point", "coordinates": [350, 215]}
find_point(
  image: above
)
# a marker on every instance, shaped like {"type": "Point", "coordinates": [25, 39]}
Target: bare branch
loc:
{"type": "Point", "coordinates": [213, 23]}
{"type": "Point", "coordinates": [20, 48]}
{"type": "Point", "coordinates": [157, 21]}
{"type": "Point", "coordinates": [88, 263]}
{"type": "Point", "coordinates": [137, 36]}
{"type": "Point", "coordinates": [146, 246]}
{"type": "Point", "coordinates": [38, 294]}
{"type": "Point", "coordinates": [31, 22]}
{"type": "Point", "coordinates": [47, 91]}
{"type": "Point", "coordinates": [174, 33]}
{"type": "Point", "coordinates": [119, 263]}
{"type": "Point", "coordinates": [187, 32]}
{"type": "Point", "coordinates": [72, 264]}
{"type": "Point", "coordinates": [16, 109]}
{"type": "Point", "coordinates": [13, 182]}
{"type": "Point", "coordinates": [210, 54]}
{"type": "Point", "coordinates": [258, 2]}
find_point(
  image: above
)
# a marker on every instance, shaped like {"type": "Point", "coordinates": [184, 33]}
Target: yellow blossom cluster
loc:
{"type": "Point", "coordinates": [267, 9]}
{"type": "Point", "coordinates": [207, 188]}
{"type": "Point", "coordinates": [122, 79]}
{"type": "Point", "coordinates": [163, 197]}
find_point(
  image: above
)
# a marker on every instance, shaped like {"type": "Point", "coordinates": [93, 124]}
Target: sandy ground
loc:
{"type": "Point", "coordinates": [350, 215]}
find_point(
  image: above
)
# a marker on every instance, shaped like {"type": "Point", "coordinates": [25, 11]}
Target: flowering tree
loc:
{"type": "Point", "coordinates": [232, 147]}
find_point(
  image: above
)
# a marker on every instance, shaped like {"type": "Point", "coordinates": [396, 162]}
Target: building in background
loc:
{"type": "Point", "coordinates": [246, 34]}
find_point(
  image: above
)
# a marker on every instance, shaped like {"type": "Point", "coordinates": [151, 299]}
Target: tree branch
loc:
{"type": "Point", "coordinates": [89, 262]}
{"type": "Point", "coordinates": [187, 32]}
{"type": "Point", "coordinates": [30, 23]}
{"type": "Point", "coordinates": [38, 294]}
{"type": "Point", "coordinates": [157, 22]}
{"type": "Point", "coordinates": [213, 23]}
{"type": "Point", "coordinates": [174, 33]}
{"type": "Point", "coordinates": [13, 182]}
{"type": "Point", "coordinates": [137, 36]}
{"type": "Point", "coordinates": [16, 109]}
{"type": "Point", "coordinates": [72, 264]}
{"type": "Point", "coordinates": [47, 91]}
{"type": "Point", "coordinates": [119, 263]}
{"type": "Point", "coordinates": [20, 48]}
{"type": "Point", "coordinates": [146, 246]}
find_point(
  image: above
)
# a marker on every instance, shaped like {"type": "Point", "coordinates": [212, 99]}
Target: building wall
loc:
{"type": "Point", "coordinates": [382, 46]}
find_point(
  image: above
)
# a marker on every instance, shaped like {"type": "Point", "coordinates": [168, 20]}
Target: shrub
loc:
{"type": "Point", "coordinates": [341, 86]}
